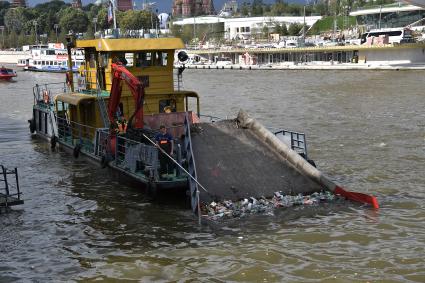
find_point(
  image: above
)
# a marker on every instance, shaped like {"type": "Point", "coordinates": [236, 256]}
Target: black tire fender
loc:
{"type": "Point", "coordinates": [76, 151]}
{"type": "Point", "coordinates": [103, 162]}
{"type": "Point", "coordinates": [53, 141]}
{"type": "Point", "coordinates": [32, 126]}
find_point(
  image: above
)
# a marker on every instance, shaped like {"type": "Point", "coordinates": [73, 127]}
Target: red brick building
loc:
{"type": "Point", "coordinates": [190, 8]}
{"type": "Point", "coordinates": [77, 4]}
{"type": "Point", "coordinates": [124, 5]}
{"type": "Point", "coordinates": [18, 3]}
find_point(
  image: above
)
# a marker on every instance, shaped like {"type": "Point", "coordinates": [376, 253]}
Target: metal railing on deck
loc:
{"type": "Point", "coordinates": [297, 141]}
{"type": "Point", "coordinates": [193, 185]}
{"type": "Point", "coordinates": [44, 93]}
{"type": "Point", "coordinates": [73, 133]}
{"type": "Point", "coordinates": [136, 157]}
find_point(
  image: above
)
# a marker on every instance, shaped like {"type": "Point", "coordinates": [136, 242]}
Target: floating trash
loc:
{"type": "Point", "coordinates": [229, 209]}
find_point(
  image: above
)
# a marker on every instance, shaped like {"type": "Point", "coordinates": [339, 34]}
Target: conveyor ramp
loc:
{"type": "Point", "coordinates": [233, 163]}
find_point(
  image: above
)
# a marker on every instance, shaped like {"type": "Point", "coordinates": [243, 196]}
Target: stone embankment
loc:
{"type": "Point", "coordinates": [316, 66]}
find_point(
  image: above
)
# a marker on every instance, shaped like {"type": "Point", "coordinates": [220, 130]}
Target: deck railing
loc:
{"type": "Point", "coordinates": [44, 93]}
{"type": "Point", "coordinates": [73, 134]}
{"type": "Point", "coordinates": [136, 157]}
{"type": "Point", "coordinates": [297, 141]}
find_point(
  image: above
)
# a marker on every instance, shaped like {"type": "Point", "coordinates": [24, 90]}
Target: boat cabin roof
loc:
{"type": "Point", "coordinates": [74, 98]}
{"type": "Point", "coordinates": [131, 44]}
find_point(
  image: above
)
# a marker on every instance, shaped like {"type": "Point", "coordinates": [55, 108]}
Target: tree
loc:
{"type": "Point", "coordinates": [102, 19]}
{"type": "Point", "coordinates": [265, 31]}
{"type": "Point", "coordinates": [4, 6]}
{"type": "Point", "coordinates": [281, 29]}
{"type": "Point", "coordinates": [14, 19]}
{"type": "Point", "coordinates": [54, 6]}
{"type": "Point", "coordinates": [294, 29]}
{"type": "Point", "coordinates": [245, 9]}
{"type": "Point", "coordinates": [279, 8]}
{"type": "Point", "coordinates": [132, 20]}
{"type": "Point", "coordinates": [72, 19]}
{"type": "Point", "coordinates": [257, 7]}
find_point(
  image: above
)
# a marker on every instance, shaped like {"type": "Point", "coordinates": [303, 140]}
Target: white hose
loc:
{"type": "Point", "coordinates": [289, 155]}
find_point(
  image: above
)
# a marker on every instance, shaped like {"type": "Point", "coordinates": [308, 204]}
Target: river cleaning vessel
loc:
{"type": "Point", "coordinates": [113, 110]}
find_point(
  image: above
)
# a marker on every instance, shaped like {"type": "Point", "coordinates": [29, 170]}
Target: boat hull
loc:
{"type": "Point", "coordinates": [44, 124]}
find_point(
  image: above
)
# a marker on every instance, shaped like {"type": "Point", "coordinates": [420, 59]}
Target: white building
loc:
{"type": "Point", "coordinates": [244, 28]}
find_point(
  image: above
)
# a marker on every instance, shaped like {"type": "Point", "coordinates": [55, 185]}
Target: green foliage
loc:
{"type": "Point", "coordinates": [327, 24]}
{"type": "Point", "coordinates": [54, 6]}
{"type": "Point", "coordinates": [14, 19]}
{"type": "Point", "coordinates": [72, 19]}
{"type": "Point", "coordinates": [294, 29]}
{"type": "Point", "coordinates": [132, 20]}
{"type": "Point", "coordinates": [281, 29]}
{"type": "Point", "coordinates": [102, 19]}
{"type": "Point", "coordinates": [4, 5]}
{"type": "Point", "coordinates": [257, 8]}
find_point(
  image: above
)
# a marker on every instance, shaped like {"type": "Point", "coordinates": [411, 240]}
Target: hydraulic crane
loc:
{"type": "Point", "coordinates": [120, 73]}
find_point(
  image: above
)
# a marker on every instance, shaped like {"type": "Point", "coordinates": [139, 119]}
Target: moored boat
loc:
{"type": "Point", "coordinates": [51, 58]}
{"type": "Point", "coordinates": [122, 98]}
{"type": "Point", "coordinates": [7, 74]}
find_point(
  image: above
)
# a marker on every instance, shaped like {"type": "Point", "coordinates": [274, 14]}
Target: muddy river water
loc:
{"type": "Point", "coordinates": [365, 129]}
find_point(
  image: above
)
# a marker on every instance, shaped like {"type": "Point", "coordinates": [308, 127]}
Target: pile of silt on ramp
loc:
{"type": "Point", "coordinates": [240, 158]}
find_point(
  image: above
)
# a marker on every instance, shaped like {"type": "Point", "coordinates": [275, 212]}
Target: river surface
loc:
{"type": "Point", "coordinates": [366, 129]}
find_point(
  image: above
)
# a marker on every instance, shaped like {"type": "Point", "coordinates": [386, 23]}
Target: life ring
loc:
{"type": "Point", "coordinates": [32, 125]}
{"type": "Point", "coordinates": [46, 97]}
{"type": "Point", "coordinates": [76, 151]}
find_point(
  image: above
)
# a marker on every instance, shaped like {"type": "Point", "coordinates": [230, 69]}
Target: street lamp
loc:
{"type": "Point", "coordinates": [35, 28]}
{"type": "Point", "coordinates": [56, 26]}
{"type": "Point", "coordinates": [2, 35]}
{"type": "Point", "coordinates": [95, 22]}
{"type": "Point", "coordinates": [114, 7]}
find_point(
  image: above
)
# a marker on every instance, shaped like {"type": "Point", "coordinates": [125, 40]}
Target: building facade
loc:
{"type": "Point", "coordinates": [77, 4]}
{"type": "Point", "coordinates": [18, 3]}
{"type": "Point", "coordinates": [191, 8]}
{"type": "Point", "coordinates": [246, 28]}
{"type": "Point", "coordinates": [124, 5]}
{"type": "Point", "coordinates": [391, 16]}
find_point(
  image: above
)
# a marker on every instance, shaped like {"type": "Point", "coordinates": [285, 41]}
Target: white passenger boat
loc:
{"type": "Point", "coordinates": [51, 58]}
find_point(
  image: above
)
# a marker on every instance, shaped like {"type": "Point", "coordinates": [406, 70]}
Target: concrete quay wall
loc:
{"type": "Point", "coordinates": [315, 66]}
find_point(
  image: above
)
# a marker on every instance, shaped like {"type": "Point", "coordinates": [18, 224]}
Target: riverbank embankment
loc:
{"type": "Point", "coordinates": [348, 57]}
{"type": "Point", "coordinates": [314, 66]}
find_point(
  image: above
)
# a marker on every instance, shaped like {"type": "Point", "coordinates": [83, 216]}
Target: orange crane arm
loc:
{"type": "Point", "coordinates": [120, 73]}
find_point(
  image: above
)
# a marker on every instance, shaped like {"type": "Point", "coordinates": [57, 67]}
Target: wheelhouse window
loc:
{"type": "Point", "coordinates": [167, 106]}
{"type": "Point", "coordinates": [120, 57]}
{"type": "Point", "coordinates": [146, 59]}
